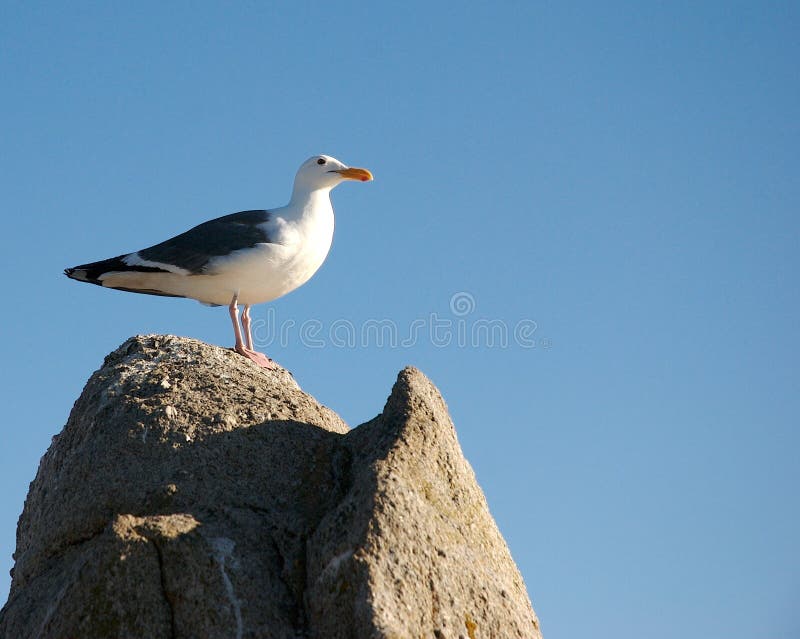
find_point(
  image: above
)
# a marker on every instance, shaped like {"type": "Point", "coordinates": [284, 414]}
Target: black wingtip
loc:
{"type": "Point", "coordinates": [92, 271]}
{"type": "Point", "coordinates": [79, 275]}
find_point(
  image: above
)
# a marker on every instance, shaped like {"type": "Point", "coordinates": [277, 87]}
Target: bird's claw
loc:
{"type": "Point", "coordinates": [254, 356]}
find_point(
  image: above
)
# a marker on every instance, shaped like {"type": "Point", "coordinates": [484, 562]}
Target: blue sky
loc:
{"type": "Point", "coordinates": [623, 176]}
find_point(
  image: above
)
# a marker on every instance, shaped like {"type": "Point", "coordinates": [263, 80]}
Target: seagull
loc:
{"type": "Point", "coordinates": [244, 258]}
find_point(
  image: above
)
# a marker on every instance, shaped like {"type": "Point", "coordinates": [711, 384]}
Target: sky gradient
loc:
{"type": "Point", "coordinates": [621, 178]}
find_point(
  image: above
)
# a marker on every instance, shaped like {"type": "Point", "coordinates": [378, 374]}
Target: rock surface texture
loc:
{"type": "Point", "coordinates": [193, 494]}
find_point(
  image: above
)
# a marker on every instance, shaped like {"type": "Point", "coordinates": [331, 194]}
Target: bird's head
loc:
{"type": "Point", "coordinates": [325, 172]}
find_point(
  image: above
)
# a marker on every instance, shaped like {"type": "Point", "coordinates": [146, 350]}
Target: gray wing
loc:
{"type": "Point", "coordinates": [194, 249]}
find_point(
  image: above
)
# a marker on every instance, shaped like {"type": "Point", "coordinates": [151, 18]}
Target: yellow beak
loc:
{"type": "Point", "coordinates": [355, 174]}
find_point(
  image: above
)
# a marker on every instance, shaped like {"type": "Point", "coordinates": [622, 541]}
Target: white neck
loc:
{"type": "Point", "coordinates": [301, 193]}
{"type": "Point", "coordinates": [309, 204]}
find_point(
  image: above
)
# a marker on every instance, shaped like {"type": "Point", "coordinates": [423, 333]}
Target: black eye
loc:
{"type": "Point", "coordinates": [320, 161]}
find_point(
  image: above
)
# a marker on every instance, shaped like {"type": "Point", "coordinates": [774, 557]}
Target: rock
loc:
{"type": "Point", "coordinates": [193, 494]}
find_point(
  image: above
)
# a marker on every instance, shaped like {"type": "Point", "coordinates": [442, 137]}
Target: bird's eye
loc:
{"type": "Point", "coordinates": [321, 161]}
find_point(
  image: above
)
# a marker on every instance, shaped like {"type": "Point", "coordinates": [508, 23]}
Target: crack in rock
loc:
{"type": "Point", "coordinates": [167, 598]}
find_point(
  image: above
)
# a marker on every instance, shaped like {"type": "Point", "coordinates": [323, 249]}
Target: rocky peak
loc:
{"type": "Point", "coordinates": [193, 494]}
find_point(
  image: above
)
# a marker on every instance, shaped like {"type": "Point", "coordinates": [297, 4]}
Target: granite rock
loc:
{"type": "Point", "coordinates": [193, 494]}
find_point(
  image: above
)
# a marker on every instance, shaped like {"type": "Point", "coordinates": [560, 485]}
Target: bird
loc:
{"type": "Point", "coordinates": [246, 258]}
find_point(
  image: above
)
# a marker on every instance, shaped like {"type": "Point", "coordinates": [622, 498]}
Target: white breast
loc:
{"type": "Point", "coordinates": [300, 241]}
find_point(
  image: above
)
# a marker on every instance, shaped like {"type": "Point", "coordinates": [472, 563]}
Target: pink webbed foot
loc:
{"type": "Point", "coordinates": [254, 356]}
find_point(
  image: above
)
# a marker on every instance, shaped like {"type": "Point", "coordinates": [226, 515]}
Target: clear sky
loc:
{"type": "Point", "coordinates": [620, 179]}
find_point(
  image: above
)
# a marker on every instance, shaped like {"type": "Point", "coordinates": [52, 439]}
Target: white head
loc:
{"type": "Point", "coordinates": [324, 172]}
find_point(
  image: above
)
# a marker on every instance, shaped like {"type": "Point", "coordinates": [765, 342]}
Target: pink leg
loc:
{"type": "Point", "coordinates": [248, 336]}
{"type": "Point", "coordinates": [233, 309]}
{"type": "Point", "coordinates": [240, 347]}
